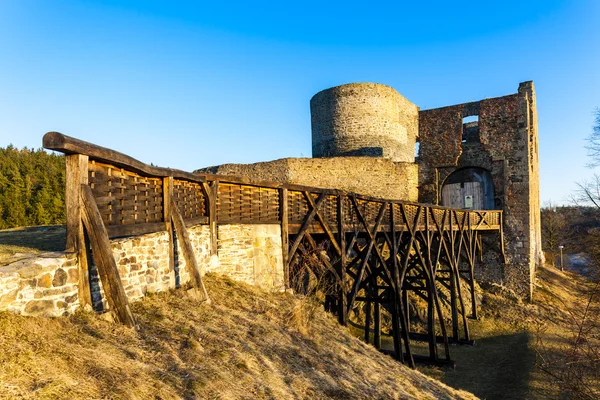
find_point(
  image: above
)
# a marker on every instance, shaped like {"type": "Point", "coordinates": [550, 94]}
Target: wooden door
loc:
{"type": "Point", "coordinates": [463, 195]}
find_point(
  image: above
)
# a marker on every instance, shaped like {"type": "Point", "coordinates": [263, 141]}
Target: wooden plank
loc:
{"type": "Point", "coordinates": [103, 257]}
{"type": "Point", "coordinates": [115, 231]}
{"type": "Point", "coordinates": [188, 251]}
{"type": "Point", "coordinates": [285, 236]}
{"type": "Point", "coordinates": [76, 170]}
{"type": "Point", "coordinates": [202, 220]}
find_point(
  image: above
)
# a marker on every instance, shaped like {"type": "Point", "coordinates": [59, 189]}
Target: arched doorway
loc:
{"type": "Point", "coordinates": [469, 188]}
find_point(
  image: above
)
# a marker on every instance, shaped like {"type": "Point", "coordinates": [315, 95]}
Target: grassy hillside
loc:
{"type": "Point", "coordinates": [248, 344]}
{"type": "Point", "coordinates": [516, 342]}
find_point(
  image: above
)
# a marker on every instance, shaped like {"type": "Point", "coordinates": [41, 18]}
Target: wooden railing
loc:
{"type": "Point", "coordinates": [133, 197]}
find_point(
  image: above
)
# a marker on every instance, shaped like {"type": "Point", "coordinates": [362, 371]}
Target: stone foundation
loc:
{"type": "Point", "coordinates": [48, 284]}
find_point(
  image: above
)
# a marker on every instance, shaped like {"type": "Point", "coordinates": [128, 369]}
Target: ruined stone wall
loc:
{"type": "Point", "coordinates": [507, 147]}
{"type": "Point", "coordinates": [363, 119]}
{"type": "Point", "coordinates": [378, 177]}
{"type": "Point", "coordinates": [48, 284]}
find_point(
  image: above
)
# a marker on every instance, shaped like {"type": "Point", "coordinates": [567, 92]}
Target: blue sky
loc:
{"type": "Point", "coordinates": [193, 84]}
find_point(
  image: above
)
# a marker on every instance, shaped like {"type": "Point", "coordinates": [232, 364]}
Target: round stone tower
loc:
{"type": "Point", "coordinates": [363, 119]}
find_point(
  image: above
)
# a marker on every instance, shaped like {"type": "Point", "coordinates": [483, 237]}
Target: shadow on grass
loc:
{"type": "Point", "coordinates": [497, 367]}
{"type": "Point", "coordinates": [38, 238]}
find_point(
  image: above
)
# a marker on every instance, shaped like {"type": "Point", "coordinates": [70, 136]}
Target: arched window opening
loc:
{"type": "Point", "coordinates": [470, 188]}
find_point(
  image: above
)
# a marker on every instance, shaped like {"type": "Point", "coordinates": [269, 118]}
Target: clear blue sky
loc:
{"type": "Point", "coordinates": [188, 84]}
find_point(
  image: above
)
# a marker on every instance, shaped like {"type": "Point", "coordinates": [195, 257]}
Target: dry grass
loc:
{"type": "Point", "coordinates": [512, 336]}
{"type": "Point", "coordinates": [248, 344]}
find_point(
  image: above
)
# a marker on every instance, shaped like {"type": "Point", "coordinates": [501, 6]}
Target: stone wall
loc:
{"type": "Point", "coordinates": [378, 177]}
{"type": "Point", "coordinates": [363, 119]}
{"type": "Point", "coordinates": [48, 284]}
{"type": "Point", "coordinates": [506, 146]}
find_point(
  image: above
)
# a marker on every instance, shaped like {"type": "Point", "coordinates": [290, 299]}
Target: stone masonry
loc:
{"type": "Point", "coordinates": [378, 177]}
{"type": "Point", "coordinates": [504, 141]}
{"type": "Point", "coordinates": [48, 284]}
{"type": "Point", "coordinates": [363, 119]}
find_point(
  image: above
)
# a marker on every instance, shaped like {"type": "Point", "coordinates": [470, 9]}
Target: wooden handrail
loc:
{"type": "Point", "coordinates": [69, 145]}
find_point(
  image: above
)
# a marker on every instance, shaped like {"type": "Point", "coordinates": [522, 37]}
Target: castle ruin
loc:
{"type": "Point", "coordinates": [369, 139]}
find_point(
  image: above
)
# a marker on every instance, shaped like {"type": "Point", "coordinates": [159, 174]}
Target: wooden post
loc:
{"type": "Point", "coordinates": [367, 321]}
{"type": "Point", "coordinates": [77, 175]}
{"type": "Point", "coordinates": [285, 238]}
{"type": "Point", "coordinates": [167, 204]}
{"type": "Point", "coordinates": [188, 250]}
{"type": "Point", "coordinates": [377, 323]}
{"type": "Point", "coordinates": [212, 191]}
{"type": "Point", "coordinates": [454, 281]}
{"type": "Point", "coordinates": [342, 300]}
{"type": "Point", "coordinates": [105, 262]}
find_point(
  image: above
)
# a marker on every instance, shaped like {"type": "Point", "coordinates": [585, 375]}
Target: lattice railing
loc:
{"type": "Point", "coordinates": [132, 197]}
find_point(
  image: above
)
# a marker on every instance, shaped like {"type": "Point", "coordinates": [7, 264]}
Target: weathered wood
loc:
{"type": "Point", "coordinates": [189, 222]}
{"type": "Point", "coordinates": [342, 300]}
{"type": "Point", "coordinates": [76, 170]}
{"type": "Point", "coordinates": [323, 223]}
{"type": "Point", "coordinates": [367, 331]}
{"type": "Point", "coordinates": [104, 260]}
{"type": "Point", "coordinates": [69, 145]}
{"type": "Point", "coordinates": [168, 203]}
{"type": "Point", "coordinates": [116, 231]}
{"type": "Point", "coordinates": [211, 192]}
{"type": "Point", "coordinates": [307, 221]}
{"type": "Point", "coordinates": [285, 235]}
{"type": "Point", "coordinates": [187, 250]}
{"type": "Point", "coordinates": [377, 324]}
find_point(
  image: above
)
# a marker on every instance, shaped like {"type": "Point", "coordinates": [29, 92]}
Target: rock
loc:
{"type": "Point", "coordinates": [73, 275]}
{"type": "Point", "coordinates": [40, 307]}
{"type": "Point", "coordinates": [72, 299]}
{"type": "Point", "coordinates": [45, 281]}
{"type": "Point", "coordinates": [8, 298]}
{"type": "Point", "coordinates": [60, 278]}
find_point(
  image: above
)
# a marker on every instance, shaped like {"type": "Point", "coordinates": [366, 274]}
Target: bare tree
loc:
{"type": "Point", "coordinates": [593, 146]}
{"type": "Point", "coordinates": [555, 229]}
{"type": "Point", "coordinates": [588, 192]}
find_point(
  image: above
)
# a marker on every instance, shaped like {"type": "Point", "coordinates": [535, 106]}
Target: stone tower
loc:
{"type": "Point", "coordinates": [363, 119]}
{"type": "Point", "coordinates": [490, 143]}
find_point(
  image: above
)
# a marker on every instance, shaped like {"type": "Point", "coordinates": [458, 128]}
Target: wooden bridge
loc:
{"type": "Point", "coordinates": [370, 250]}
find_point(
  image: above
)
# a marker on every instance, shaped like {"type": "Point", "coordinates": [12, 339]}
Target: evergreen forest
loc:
{"type": "Point", "coordinates": [31, 187]}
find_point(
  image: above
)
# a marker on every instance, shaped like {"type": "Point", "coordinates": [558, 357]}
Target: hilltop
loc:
{"type": "Point", "coordinates": [248, 344]}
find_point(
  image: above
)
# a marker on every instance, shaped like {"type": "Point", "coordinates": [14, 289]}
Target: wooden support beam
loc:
{"type": "Point", "coordinates": [167, 216]}
{"type": "Point", "coordinates": [188, 251]}
{"type": "Point", "coordinates": [367, 322]}
{"type": "Point", "coordinates": [285, 236]}
{"type": "Point", "coordinates": [103, 257]}
{"type": "Point", "coordinates": [76, 166]}
{"type": "Point", "coordinates": [322, 222]}
{"type": "Point", "coordinates": [377, 324]}
{"type": "Point", "coordinates": [305, 224]}
{"type": "Point", "coordinates": [212, 217]}
{"type": "Point", "coordinates": [342, 300]}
